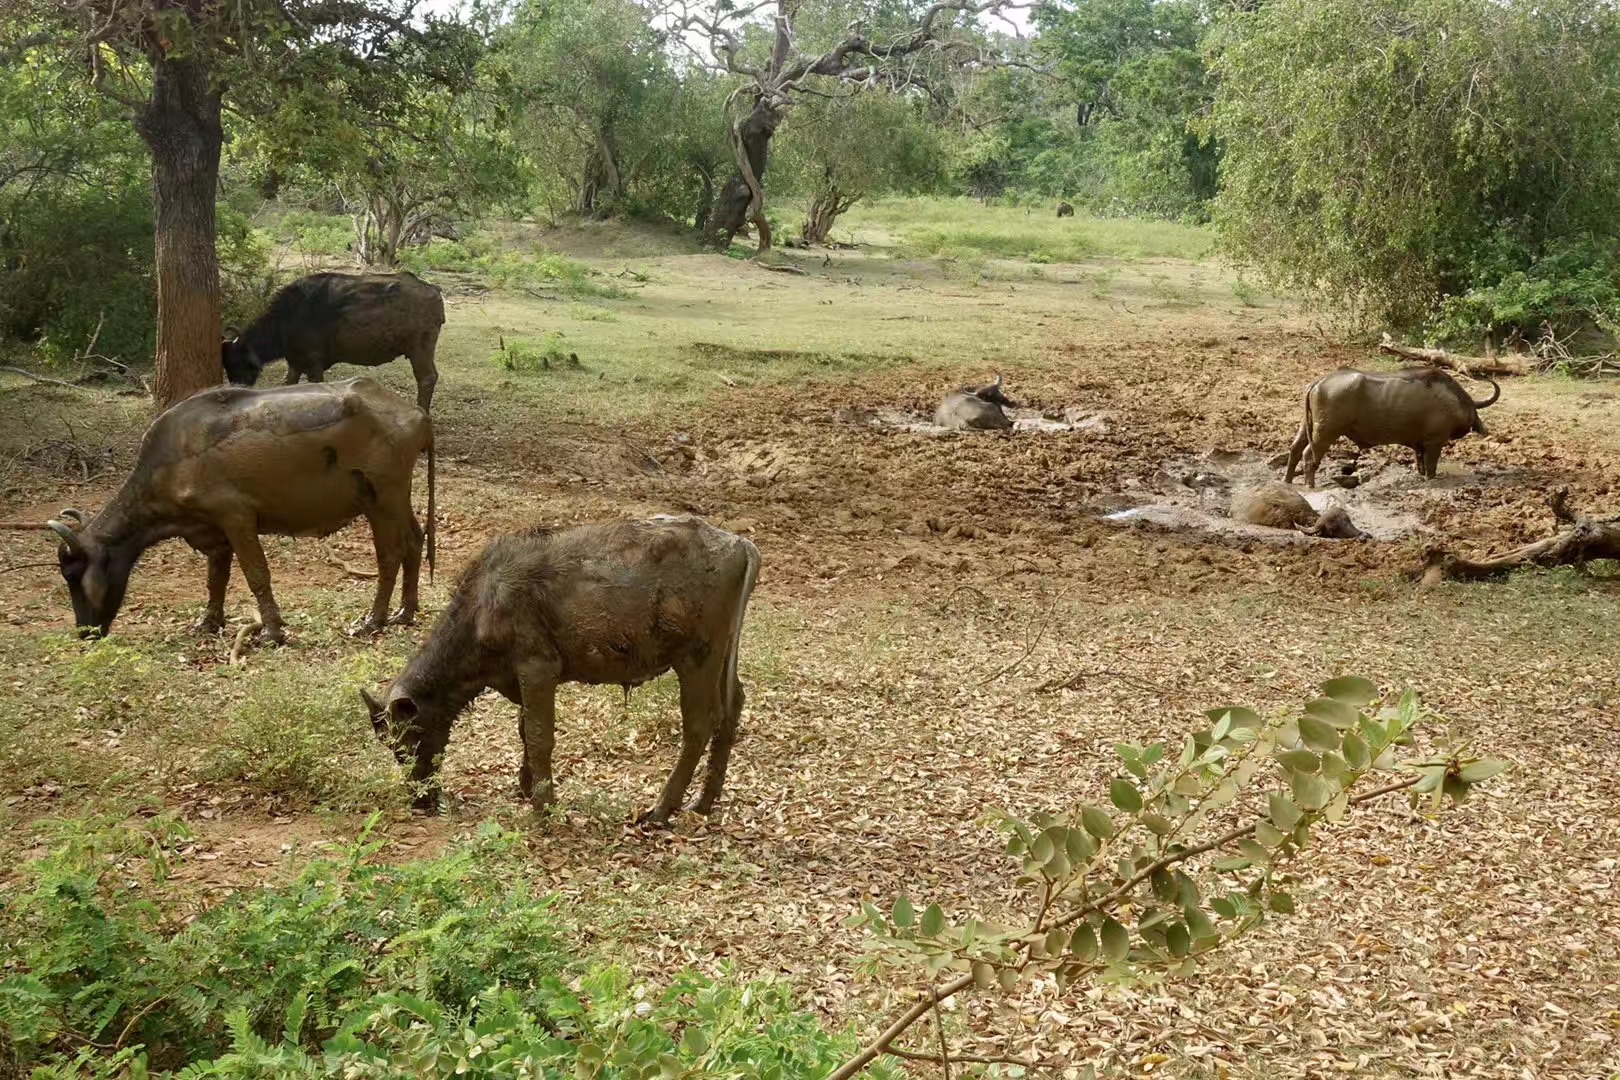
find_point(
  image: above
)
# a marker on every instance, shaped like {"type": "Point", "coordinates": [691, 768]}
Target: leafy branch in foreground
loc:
{"type": "Point", "coordinates": [1192, 855]}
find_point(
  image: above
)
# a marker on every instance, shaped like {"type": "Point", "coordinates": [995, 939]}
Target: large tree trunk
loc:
{"type": "Point", "coordinates": [737, 202]}
{"type": "Point", "coordinates": [181, 126]}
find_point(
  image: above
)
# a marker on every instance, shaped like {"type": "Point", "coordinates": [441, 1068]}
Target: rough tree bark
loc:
{"type": "Point", "coordinates": [826, 206]}
{"type": "Point", "coordinates": [180, 124]}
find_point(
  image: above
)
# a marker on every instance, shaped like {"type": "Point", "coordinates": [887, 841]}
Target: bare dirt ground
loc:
{"type": "Point", "coordinates": [947, 624]}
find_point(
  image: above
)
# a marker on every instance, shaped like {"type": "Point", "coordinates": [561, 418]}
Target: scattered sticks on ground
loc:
{"type": "Point", "coordinates": [1582, 540]}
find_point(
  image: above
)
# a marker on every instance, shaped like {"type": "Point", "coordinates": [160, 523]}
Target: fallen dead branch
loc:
{"type": "Point", "coordinates": [25, 373]}
{"type": "Point", "coordinates": [348, 567]}
{"type": "Point", "coordinates": [1466, 365]}
{"type": "Point", "coordinates": [1582, 540]}
{"type": "Point", "coordinates": [780, 268]}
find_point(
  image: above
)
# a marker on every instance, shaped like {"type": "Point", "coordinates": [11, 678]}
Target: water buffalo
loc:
{"type": "Point", "coordinates": [975, 408]}
{"type": "Point", "coordinates": [1422, 408]}
{"type": "Point", "coordinates": [617, 603]}
{"type": "Point", "coordinates": [226, 466]}
{"type": "Point", "coordinates": [1278, 506]}
{"type": "Point", "coordinates": [326, 319]}
{"type": "Point", "coordinates": [1065, 210]}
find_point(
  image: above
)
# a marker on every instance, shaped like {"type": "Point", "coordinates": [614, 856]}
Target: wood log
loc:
{"type": "Point", "coordinates": [1582, 540]}
{"type": "Point", "coordinates": [1466, 365]}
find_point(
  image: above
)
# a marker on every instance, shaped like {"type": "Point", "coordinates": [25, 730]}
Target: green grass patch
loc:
{"type": "Point", "coordinates": [942, 228]}
{"type": "Point", "coordinates": [454, 966]}
{"type": "Point", "coordinates": [483, 256]}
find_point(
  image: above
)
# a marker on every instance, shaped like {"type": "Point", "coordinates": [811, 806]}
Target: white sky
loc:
{"type": "Point", "coordinates": [1015, 21]}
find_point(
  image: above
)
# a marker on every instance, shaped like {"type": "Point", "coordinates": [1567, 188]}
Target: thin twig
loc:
{"type": "Point", "coordinates": [39, 378]}
{"type": "Point", "coordinates": [1034, 641]}
{"type": "Point", "coordinates": [944, 1047]}
{"type": "Point", "coordinates": [968, 1059]}
{"type": "Point", "coordinates": [24, 566]}
{"type": "Point", "coordinates": [918, 1010]}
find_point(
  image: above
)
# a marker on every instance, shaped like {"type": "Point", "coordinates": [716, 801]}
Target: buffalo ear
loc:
{"type": "Point", "coordinates": [402, 707]}
{"type": "Point", "coordinates": [232, 333]}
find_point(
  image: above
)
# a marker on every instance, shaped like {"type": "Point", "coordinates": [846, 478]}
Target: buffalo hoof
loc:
{"type": "Point", "coordinates": [403, 617]}
{"type": "Point", "coordinates": [208, 625]}
{"type": "Point", "coordinates": [270, 635]}
{"type": "Point", "coordinates": [427, 802]}
{"type": "Point", "coordinates": [706, 809]}
{"type": "Point", "coordinates": [367, 627]}
{"type": "Point", "coordinates": [653, 819]}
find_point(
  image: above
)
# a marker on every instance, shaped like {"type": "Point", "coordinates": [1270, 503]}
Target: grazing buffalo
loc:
{"type": "Point", "coordinates": [326, 319]}
{"type": "Point", "coordinates": [226, 466]}
{"type": "Point", "coordinates": [975, 409]}
{"type": "Point", "coordinates": [1422, 408]}
{"type": "Point", "coordinates": [1065, 210]}
{"type": "Point", "coordinates": [618, 603]}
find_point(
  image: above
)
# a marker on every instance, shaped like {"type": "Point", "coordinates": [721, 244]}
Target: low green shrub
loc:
{"type": "Point", "coordinates": [526, 357]}
{"type": "Point", "coordinates": [450, 967]}
{"type": "Point", "coordinates": [302, 739]}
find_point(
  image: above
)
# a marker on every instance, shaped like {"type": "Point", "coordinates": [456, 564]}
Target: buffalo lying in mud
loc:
{"type": "Point", "coordinates": [1278, 506]}
{"type": "Point", "coordinates": [975, 409]}
{"type": "Point", "coordinates": [326, 319]}
{"type": "Point", "coordinates": [226, 466]}
{"type": "Point", "coordinates": [1422, 408]}
{"type": "Point", "coordinates": [619, 603]}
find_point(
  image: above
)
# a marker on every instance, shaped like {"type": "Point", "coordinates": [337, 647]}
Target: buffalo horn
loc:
{"type": "Point", "coordinates": [69, 537]}
{"type": "Point", "coordinates": [72, 515]}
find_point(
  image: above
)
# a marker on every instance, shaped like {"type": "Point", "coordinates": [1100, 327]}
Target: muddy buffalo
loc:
{"type": "Point", "coordinates": [612, 604]}
{"type": "Point", "coordinates": [326, 319]}
{"type": "Point", "coordinates": [1278, 506]}
{"type": "Point", "coordinates": [226, 466]}
{"type": "Point", "coordinates": [975, 409]}
{"type": "Point", "coordinates": [1421, 408]}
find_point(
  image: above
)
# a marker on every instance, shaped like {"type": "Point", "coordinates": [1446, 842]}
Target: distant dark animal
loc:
{"type": "Point", "coordinates": [226, 466]}
{"type": "Point", "coordinates": [326, 319]}
{"type": "Point", "coordinates": [1278, 506]}
{"type": "Point", "coordinates": [1065, 210]}
{"type": "Point", "coordinates": [618, 603]}
{"type": "Point", "coordinates": [975, 408]}
{"type": "Point", "coordinates": [1421, 408]}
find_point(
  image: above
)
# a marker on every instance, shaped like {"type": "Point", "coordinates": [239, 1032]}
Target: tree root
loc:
{"type": "Point", "coordinates": [1582, 540]}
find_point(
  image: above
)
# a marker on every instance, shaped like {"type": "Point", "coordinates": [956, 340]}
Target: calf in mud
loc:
{"type": "Point", "coordinates": [1278, 506]}
{"type": "Point", "coordinates": [617, 603]}
{"type": "Point", "coordinates": [975, 409]}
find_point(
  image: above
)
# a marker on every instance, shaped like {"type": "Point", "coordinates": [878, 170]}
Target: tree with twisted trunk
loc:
{"type": "Point", "coordinates": [803, 53]}
{"type": "Point", "coordinates": [172, 64]}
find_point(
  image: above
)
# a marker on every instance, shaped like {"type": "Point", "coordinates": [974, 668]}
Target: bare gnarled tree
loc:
{"type": "Point", "coordinates": [894, 57]}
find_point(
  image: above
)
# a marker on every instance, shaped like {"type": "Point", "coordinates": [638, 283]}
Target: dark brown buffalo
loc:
{"type": "Point", "coordinates": [610, 604]}
{"type": "Point", "coordinates": [1421, 408]}
{"type": "Point", "coordinates": [326, 319]}
{"type": "Point", "coordinates": [1065, 210]}
{"type": "Point", "coordinates": [226, 466]}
